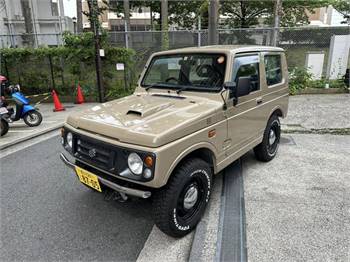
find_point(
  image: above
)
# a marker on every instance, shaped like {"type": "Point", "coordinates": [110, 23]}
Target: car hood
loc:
{"type": "Point", "coordinates": [147, 119]}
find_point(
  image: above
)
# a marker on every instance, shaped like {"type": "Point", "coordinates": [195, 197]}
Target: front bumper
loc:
{"type": "Point", "coordinates": [110, 184]}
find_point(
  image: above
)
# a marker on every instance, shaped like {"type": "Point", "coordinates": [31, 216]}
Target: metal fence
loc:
{"type": "Point", "coordinates": [30, 40]}
{"type": "Point", "coordinates": [302, 39]}
{"type": "Point", "coordinates": [297, 42]}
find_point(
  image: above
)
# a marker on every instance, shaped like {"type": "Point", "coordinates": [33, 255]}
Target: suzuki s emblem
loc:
{"type": "Point", "coordinates": [92, 152]}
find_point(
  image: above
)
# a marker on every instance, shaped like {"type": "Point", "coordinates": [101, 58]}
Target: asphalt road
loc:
{"type": "Point", "coordinates": [46, 214]}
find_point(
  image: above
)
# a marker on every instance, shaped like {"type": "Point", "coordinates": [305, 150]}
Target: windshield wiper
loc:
{"type": "Point", "coordinates": [153, 85]}
{"type": "Point", "coordinates": [178, 91]}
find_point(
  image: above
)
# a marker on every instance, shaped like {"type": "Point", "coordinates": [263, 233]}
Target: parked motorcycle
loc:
{"type": "Point", "coordinates": [30, 115]}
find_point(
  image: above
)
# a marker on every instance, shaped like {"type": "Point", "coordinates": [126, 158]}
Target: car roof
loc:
{"type": "Point", "coordinates": [223, 48]}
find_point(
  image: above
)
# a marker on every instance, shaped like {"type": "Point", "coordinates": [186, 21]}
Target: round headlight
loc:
{"type": "Point", "coordinates": [69, 139]}
{"type": "Point", "coordinates": [135, 163]}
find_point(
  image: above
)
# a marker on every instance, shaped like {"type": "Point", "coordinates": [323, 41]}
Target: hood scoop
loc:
{"type": "Point", "coordinates": [134, 112]}
{"type": "Point", "coordinates": [147, 109]}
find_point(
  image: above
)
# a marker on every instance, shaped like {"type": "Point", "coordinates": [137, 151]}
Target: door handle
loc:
{"type": "Point", "coordinates": [259, 100]}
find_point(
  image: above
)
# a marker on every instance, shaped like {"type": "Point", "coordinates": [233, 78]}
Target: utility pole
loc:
{"type": "Point", "coordinates": [164, 22]}
{"type": "Point", "coordinates": [128, 42]}
{"type": "Point", "coordinates": [28, 22]}
{"type": "Point", "coordinates": [213, 22]}
{"type": "Point", "coordinates": [79, 16]}
{"type": "Point", "coordinates": [276, 19]}
{"type": "Point", "coordinates": [199, 31]}
{"type": "Point", "coordinates": [94, 21]}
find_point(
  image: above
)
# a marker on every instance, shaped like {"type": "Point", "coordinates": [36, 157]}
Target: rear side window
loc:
{"type": "Point", "coordinates": [273, 69]}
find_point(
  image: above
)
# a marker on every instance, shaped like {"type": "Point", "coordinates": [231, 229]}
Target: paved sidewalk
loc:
{"type": "Point", "coordinates": [307, 112]}
{"type": "Point", "coordinates": [297, 205]}
{"type": "Point", "coordinates": [19, 131]}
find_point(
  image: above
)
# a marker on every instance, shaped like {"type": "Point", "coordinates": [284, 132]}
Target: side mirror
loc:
{"type": "Point", "coordinates": [243, 86]}
{"type": "Point", "coordinates": [231, 86]}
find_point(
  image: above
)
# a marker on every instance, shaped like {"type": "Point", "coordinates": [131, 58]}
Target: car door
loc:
{"type": "Point", "coordinates": [245, 120]}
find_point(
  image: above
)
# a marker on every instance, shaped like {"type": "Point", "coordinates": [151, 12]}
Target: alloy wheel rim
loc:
{"type": "Point", "coordinates": [191, 197]}
{"type": "Point", "coordinates": [272, 137]}
{"type": "Point", "coordinates": [190, 200]}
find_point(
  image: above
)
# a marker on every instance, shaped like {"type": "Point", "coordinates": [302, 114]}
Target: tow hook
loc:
{"type": "Point", "coordinates": [115, 196]}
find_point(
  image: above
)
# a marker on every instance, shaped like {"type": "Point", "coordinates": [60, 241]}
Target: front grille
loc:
{"type": "Point", "coordinates": [95, 154]}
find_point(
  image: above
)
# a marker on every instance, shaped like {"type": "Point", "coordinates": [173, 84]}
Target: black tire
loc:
{"type": "Point", "coordinates": [173, 215]}
{"type": "Point", "coordinates": [32, 118]}
{"type": "Point", "coordinates": [266, 150]}
{"type": "Point", "coordinates": [4, 127]}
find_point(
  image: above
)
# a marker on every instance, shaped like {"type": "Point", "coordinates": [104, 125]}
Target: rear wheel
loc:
{"type": "Point", "coordinates": [180, 205]}
{"type": "Point", "coordinates": [32, 118]}
{"type": "Point", "coordinates": [267, 149]}
{"type": "Point", "coordinates": [4, 127]}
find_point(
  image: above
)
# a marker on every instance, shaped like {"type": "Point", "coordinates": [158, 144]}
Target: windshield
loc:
{"type": "Point", "coordinates": [186, 71]}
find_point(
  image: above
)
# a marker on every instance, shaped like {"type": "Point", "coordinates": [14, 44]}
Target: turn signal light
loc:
{"type": "Point", "coordinates": [62, 132]}
{"type": "Point", "coordinates": [211, 133]}
{"type": "Point", "coordinates": [148, 161]}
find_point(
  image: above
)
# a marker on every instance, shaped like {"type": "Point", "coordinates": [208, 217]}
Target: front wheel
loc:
{"type": "Point", "coordinates": [179, 206]}
{"type": "Point", "coordinates": [32, 118]}
{"type": "Point", "coordinates": [4, 127]}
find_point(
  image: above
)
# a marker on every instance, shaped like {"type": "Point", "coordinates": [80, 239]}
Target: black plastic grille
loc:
{"type": "Point", "coordinates": [94, 153]}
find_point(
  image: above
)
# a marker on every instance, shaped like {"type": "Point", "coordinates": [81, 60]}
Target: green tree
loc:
{"type": "Point", "coordinates": [182, 13]}
{"type": "Point", "coordinates": [251, 13]}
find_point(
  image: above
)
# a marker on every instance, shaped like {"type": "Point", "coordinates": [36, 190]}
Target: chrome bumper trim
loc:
{"type": "Point", "coordinates": [114, 186]}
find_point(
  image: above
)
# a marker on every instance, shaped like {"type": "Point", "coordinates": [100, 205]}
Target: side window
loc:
{"type": "Point", "coordinates": [247, 66]}
{"type": "Point", "coordinates": [273, 69]}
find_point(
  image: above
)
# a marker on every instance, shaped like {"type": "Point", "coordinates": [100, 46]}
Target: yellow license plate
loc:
{"type": "Point", "coordinates": [88, 178]}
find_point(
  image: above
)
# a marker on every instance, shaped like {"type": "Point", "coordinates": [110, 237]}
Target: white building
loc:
{"type": "Point", "coordinates": [32, 23]}
{"type": "Point", "coordinates": [326, 16]}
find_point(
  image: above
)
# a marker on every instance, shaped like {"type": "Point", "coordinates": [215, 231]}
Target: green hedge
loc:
{"type": "Point", "coordinates": [40, 70]}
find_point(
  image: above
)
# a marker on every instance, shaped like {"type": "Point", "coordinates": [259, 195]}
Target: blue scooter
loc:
{"type": "Point", "coordinates": [24, 109]}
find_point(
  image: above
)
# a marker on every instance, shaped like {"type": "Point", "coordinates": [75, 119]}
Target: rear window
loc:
{"type": "Point", "coordinates": [273, 69]}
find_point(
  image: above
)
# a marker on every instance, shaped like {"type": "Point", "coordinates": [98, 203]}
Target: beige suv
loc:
{"type": "Point", "coordinates": [194, 112]}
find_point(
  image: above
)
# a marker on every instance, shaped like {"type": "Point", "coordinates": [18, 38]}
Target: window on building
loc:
{"type": "Point", "coordinates": [273, 69]}
{"type": "Point", "coordinates": [54, 7]}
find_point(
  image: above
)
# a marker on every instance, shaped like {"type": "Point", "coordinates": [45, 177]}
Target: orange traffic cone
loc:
{"type": "Point", "coordinates": [56, 101]}
{"type": "Point", "coordinates": [80, 96]}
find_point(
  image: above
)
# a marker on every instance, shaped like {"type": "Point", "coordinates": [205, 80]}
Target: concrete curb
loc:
{"type": "Point", "coordinates": [322, 91]}
{"type": "Point", "coordinates": [298, 129]}
{"type": "Point", "coordinates": [36, 134]}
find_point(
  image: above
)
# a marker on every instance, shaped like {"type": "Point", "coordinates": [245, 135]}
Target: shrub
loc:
{"type": "Point", "coordinates": [299, 78]}
{"type": "Point", "coordinates": [39, 70]}
{"type": "Point", "coordinates": [337, 83]}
